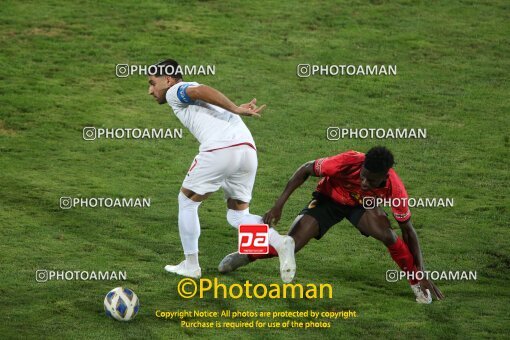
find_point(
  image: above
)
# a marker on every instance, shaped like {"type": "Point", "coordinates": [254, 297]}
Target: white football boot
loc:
{"type": "Point", "coordinates": [181, 269]}
{"type": "Point", "coordinates": [285, 251]}
{"type": "Point", "coordinates": [420, 296]}
{"type": "Point", "coordinates": [233, 261]}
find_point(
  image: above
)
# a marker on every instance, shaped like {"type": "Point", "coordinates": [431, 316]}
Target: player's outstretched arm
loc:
{"type": "Point", "coordinates": [300, 176]}
{"type": "Point", "coordinates": [215, 97]}
{"type": "Point", "coordinates": [411, 239]}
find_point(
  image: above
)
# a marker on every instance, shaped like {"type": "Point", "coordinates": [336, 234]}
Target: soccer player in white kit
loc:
{"type": "Point", "coordinates": [227, 159]}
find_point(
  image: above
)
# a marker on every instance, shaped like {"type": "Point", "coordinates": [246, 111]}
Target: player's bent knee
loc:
{"type": "Point", "coordinates": [389, 237]}
{"type": "Point", "coordinates": [190, 194]}
{"type": "Point", "coordinates": [304, 228]}
{"type": "Point", "coordinates": [186, 203]}
{"type": "Point", "coordinates": [236, 204]}
{"type": "Point", "coordinates": [377, 213]}
{"type": "Point", "coordinates": [377, 217]}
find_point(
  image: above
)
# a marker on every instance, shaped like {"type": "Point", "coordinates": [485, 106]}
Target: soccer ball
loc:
{"type": "Point", "coordinates": [121, 304]}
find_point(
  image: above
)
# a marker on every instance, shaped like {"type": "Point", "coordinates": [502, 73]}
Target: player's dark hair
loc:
{"type": "Point", "coordinates": [379, 160]}
{"type": "Point", "coordinates": [173, 69]}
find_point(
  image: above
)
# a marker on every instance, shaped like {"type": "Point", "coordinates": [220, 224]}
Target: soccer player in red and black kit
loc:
{"type": "Point", "coordinates": [345, 180]}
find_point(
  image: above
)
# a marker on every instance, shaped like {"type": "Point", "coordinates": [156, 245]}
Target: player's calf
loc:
{"type": "Point", "coordinates": [189, 232]}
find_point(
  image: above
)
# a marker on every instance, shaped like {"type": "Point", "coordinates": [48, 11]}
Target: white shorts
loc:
{"type": "Point", "coordinates": [233, 169]}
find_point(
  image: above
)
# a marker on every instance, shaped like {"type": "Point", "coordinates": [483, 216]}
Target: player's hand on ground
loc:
{"type": "Point", "coordinates": [250, 109]}
{"type": "Point", "coordinates": [428, 284]}
{"type": "Point", "coordinates": [272, 216]}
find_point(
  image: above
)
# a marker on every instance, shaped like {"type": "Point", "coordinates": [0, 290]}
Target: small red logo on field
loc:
{"type": "Point", "coordinates": [253, 239]}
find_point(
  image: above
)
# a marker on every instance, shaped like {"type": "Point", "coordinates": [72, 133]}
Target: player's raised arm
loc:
{"type": "Point", "coordinates": [300, 176]}
{"type": "Point", "coordinates": [215, 97]}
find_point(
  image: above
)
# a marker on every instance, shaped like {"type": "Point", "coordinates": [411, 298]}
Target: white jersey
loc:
{"type": "Point", "coordinates": [211, 125]}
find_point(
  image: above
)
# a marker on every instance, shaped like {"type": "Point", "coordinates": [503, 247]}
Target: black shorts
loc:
{"type": "Point", "coordinates": [328, 213]}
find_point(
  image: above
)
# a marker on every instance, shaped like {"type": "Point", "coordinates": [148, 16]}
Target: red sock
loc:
{"type": "Point", "coordinates": [402, 256]}
{"type": "Point", "coordinates": [272, 253]}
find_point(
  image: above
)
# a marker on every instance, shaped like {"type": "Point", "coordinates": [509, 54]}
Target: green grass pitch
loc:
{"type": "Point", "coordinates": [57, 76]}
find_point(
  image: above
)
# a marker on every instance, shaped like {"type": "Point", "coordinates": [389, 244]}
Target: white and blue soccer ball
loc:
{"type": "Point", "coordinates": [121, 304]}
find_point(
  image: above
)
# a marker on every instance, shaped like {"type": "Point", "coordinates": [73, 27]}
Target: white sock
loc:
{"type": "Point", "coordinates": [189, 228]}
{"type": "Point", "coordinates": [238, 217]}
{"type": "Point", "coordinates": [274, 238]}
{"type": "Point", "coordinates": [192, 261]}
